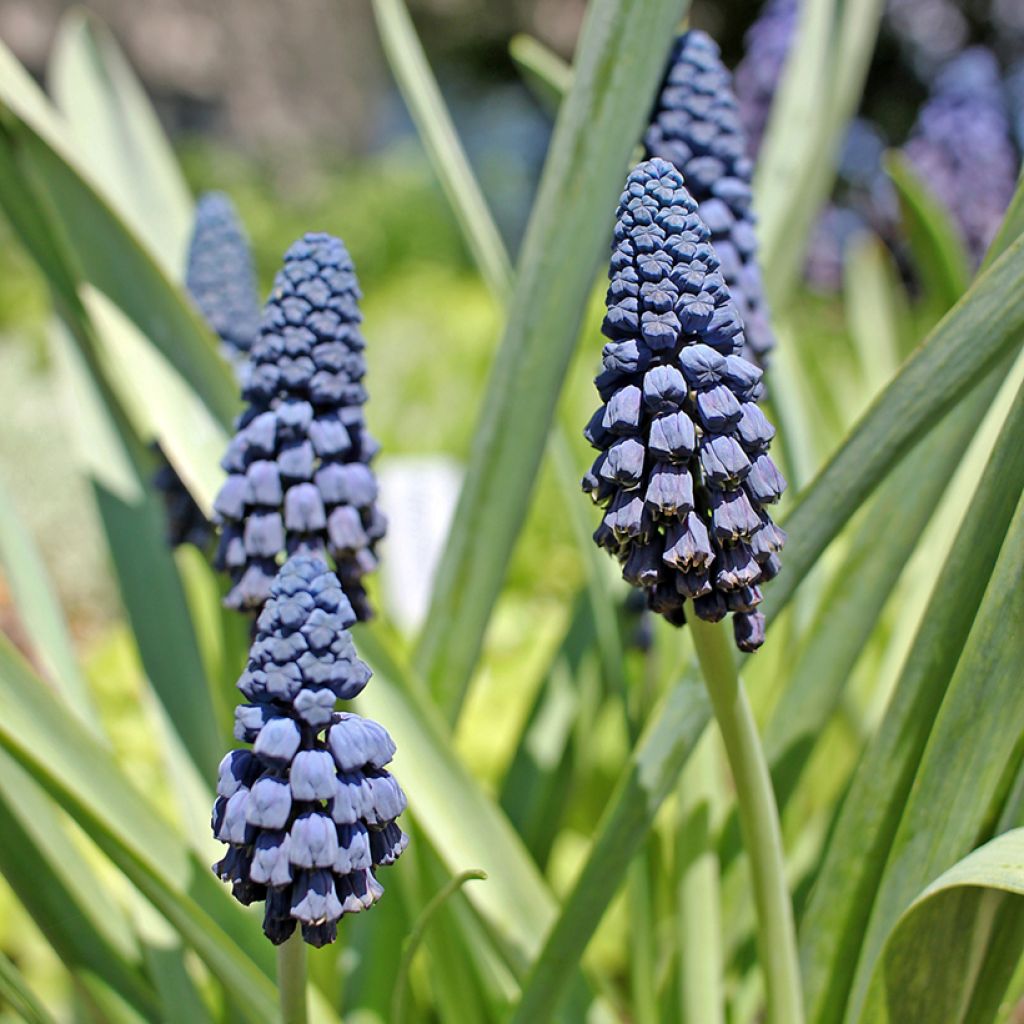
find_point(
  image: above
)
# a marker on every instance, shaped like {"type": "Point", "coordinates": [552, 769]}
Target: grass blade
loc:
{"type": "Point", "coordinates": [837, 913]}
{"type": "Point", "coordinates": [107, 252]}
{"type": "Point", "coordinates": [984, 327]}
{"type": "Point", "coordinates": [423, 98]}
{"type": "Point", "coordinates": [83, 778]}
{"type": "Point", "coordinates": [40, 612]}
{"type": "Point", "coordinates": [74, 910]}
{"type": "Point", "coordinates": [651, 774]}
{"type": "Point", "coordinates": [151, 590]}
{"type": "Point", "coordinates": [548, 76]}
{"type": "Point", "coordinates": [617, 69]}
{"type": "Point", "coordinates": [464, 825]}
{"type": "Point", "coordinates": [938, 251]}
{"type": "Point", "coordinates": [15, 993]}
{"type": "Point", "coordinates": [929, 965]}
{"type": "Point", "coordinates": [117, 132]}
{"type": "Point", "coordinates": [965, 780]}
{"type": "Point", "coordinates": [878, 553]}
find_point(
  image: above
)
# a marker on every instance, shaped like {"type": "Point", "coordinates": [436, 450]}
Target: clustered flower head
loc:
{"type": "Point", "coordinates": [299, 477]}
{"type": "Point", "coordinates": [766, 46]}
{"type": "Point", "coordinates": [961, 145]}
{"type": "Point", "coordinates": [220, 278]}
{"type": "Point", "coordinates": [696, 126]}
{"type": "Point", "coordinates": [309, 811]}
{"type": "Point", "coordinates": [683, 472]}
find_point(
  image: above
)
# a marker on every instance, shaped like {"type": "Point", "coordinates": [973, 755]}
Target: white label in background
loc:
{"type": "Point", "coordinates": [418, 494]}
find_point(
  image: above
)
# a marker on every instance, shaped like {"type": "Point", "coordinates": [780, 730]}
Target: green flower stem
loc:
{"type": "Point", "coordinates": [759, 818]}
{"type": "Point", "coordinates": [291, 979]}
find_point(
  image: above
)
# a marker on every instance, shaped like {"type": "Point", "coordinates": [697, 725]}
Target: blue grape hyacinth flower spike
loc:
{"type": "Point", "coordinates": [683, 471]}
{"type": "Point", "coordinates": [696, 126]}
{"type": "Point", "coordinates": [962, 146]}
{"type": "Point", "coordinates": [299, 477]}
{"type": "Point", "coordinates": [308, 811]}
{"type": "Point", "coordinates": [220, 279]}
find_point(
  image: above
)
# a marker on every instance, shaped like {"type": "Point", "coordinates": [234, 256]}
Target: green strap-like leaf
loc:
{"type": "Point", "coordinates": [617, 68]}
{"type": "Point", "coordinates": [107, 252]}
{"type": "Point", "coordinates": [929, 964]}
{"type": "Point", "coordinates": [1012, 226]}
{"type": "Point", "coordinates": [15, 993]}
{"type": "Point", "coordinates": [75, 911]}
{"type": "Point", "coordinates": [836, 916]}
{"type": "Point", "coordinates": [540, 779]}
{"type": "Point", "coordinates": [423, 98]}
{"type": "Point", "coordinates": [543, 70]}
{"type": "Point", "coordinates": [938, 250]}
{"type": "Point", "coordinates": [115, 129]}
{"type": "Point", "coordinates": [820, 91]}
{"type": "Point", "coordinates": [876, 310]}
{"type": "Point", "coordinates": [40, 612]}
{"type": "Point", "coordinates": [983, 328]}
{"type": "Point", "coordinates": [651, 774]}
{"type": "Point", "coordinates": [151, 590]}
{"type": "Point", "coordinates": [84, 779]}
{"type": "Point", "coordinates": [878, 553]}
{"type": "Point", "coordinates": [158, 401]}
{"type": "Point", "coordinates": [466, 828]}
{"type": "Point", "coordinates": [976, 735]}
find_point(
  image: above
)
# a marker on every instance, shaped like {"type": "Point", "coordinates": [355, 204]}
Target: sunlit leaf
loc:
{"type": "Point", "coordinates": [929, 965]}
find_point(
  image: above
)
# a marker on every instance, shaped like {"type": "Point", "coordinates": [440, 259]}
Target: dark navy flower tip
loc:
{"type": "Point", "coordinates": [309, 812]}
{"type": "Point", "coordinates": [962, 146]}
{"type": "Point", "coordinates": [299, 476]}
{"type": "Point", "coordinates": [682, 471]}
{"type": "Point", "coordinates": [696, 126]}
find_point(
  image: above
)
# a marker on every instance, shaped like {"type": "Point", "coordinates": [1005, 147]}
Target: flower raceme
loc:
{"type": "Point", "coordinates": [696, 126]}
{"type": "Point", "coordinates": [221, 281]}
{"type": "Point", "coordinates": [309, 812]}
{"type": "Point", "coordinates": [683, 470]}
{"type": "Point", "coordinates": [766, 47]}
{"type": "Point", "coordinates": [220, 276]}
{"type": "Point", "coordinates": [961, 146]}
{"type": "Point", "coordinates": [299, 477]}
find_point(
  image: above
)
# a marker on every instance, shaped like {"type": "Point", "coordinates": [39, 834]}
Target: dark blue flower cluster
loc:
{"type": "Point", "coordinates": [220, 278]}
{"type": "Point", "coordinates": [962, 147]}
{"type": "Point", "coordinates": [766, 47]}
{"type": "Point", "coordinates": [683, 472]}
{"type": "Point", "coordinates": [299, 477]}
{"type": "Point", "coordinates": [696, 127]}
{"type": "Point", "coordinates": [309, 812]}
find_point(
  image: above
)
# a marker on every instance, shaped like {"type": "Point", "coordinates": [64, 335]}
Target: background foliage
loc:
{"type": "Point", "coordinates": [537, 741]}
